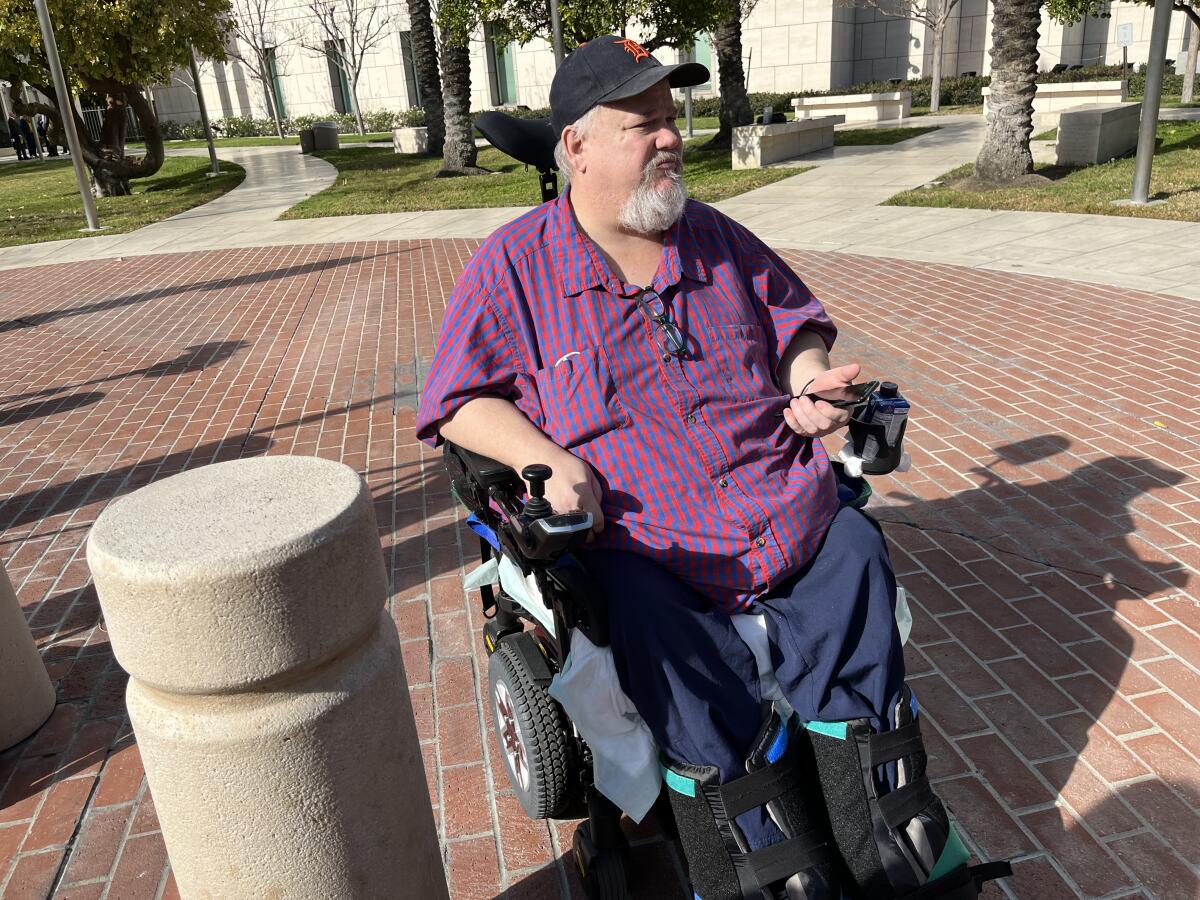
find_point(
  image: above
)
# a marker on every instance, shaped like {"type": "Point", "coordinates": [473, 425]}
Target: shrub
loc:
{"type": "Point", "coordinates": [410, 118]}
{"type": "Point", "coordinates": [380, 119]}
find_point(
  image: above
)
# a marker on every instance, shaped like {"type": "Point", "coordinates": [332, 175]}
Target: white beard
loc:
{"type": "Point", "coordinates": [651, 208]}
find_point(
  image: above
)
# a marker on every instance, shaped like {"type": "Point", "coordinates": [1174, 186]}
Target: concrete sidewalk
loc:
{"type": "Point", "coordinates": [831, 207]}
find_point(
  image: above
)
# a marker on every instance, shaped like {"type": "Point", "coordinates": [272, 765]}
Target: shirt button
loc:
{"type": "Point", "coordinates": [666, 357]}
{"type": "Point", "coordinates": [723, 482]}
{"type": "Point", "coordinates": [761, 542]}
{"type": "Point", "coordinates": [691, 419]}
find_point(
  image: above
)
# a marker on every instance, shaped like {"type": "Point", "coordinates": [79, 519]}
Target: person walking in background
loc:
{"type": "Point", "coordinates": [42, 121]}
{"type": "Point", "coordinates": [31, 147]}
{"type": "Point", "coordinates": [14, 135]}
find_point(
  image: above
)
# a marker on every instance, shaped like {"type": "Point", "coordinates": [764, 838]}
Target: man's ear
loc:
{"type": "Point", "coordinates": [573, 145]}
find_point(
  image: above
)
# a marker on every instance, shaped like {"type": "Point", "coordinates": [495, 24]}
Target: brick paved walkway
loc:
{"type": "Point", "coordinates": [1049, 535]}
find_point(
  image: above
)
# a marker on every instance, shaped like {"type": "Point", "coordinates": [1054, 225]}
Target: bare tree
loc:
{"type": "Point", "coordinates": [346, 31]}
{"type": "Point", "coordinates": [1189, 69]}
{"type": "Point", "coordinates": [258, 42]}
{"type": "Point", "coordinates": [934, 15]}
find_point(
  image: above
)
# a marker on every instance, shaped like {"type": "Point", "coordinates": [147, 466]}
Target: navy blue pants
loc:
{"type": "Point", "coordinates": [833, 639]}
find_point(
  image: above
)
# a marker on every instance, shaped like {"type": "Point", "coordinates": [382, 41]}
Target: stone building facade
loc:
{"type": "Point", "coordinates": [788, 45]}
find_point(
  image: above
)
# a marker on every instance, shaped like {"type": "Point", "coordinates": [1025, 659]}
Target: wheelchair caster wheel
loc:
{"type": "Point", "coordinates": [602, 872]}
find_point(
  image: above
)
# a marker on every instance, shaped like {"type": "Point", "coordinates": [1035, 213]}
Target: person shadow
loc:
{"type": "Point", "coordinates": [1047, 737]}
{"type": "Point", "coordinates": [1030, 593]}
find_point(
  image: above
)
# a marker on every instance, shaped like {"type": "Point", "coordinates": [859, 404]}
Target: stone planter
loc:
{"type": "Point", "coordinates": [410, 140]}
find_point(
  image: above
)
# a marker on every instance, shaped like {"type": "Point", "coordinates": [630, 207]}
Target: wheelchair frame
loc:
{"type": "Point", "coordinates": [490, 490]}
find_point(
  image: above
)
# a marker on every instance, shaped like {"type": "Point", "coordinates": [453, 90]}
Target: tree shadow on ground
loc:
{"type": "Point", "coordinates": [32, 320]}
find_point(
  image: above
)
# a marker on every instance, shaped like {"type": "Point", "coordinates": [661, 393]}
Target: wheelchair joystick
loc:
{"type": "Point", "coordinates": [537, 506]}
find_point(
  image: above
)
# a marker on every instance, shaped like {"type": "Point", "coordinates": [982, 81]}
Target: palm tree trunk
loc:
{"type": "Point", "coordinates": [429, 81]}
{"type": "Point", "coordinates": [1005, 155]}
{"type": "Point", "coordinates": [458, 151]}
{"type": "Point", "coordinates": [735, 105]}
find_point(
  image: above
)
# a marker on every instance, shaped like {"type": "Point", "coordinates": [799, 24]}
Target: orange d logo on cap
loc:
{"type": "Point", "coordinates": [632, 47]}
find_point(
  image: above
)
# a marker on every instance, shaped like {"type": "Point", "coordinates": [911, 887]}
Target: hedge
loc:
{"type": "Point", "coordinates": [957, 90]}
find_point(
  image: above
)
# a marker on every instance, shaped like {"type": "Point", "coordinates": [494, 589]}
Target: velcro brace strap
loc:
{"type": "Point", "coordinates": [783, 860]}
{"type": "Point", "coordinates": [757, 788]}
{"type": "Point", "coordinates": [888, 746]}
{"type": "Point", "coordinates": [903, 803]}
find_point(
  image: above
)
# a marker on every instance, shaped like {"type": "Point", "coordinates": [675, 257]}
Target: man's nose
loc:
{"type": "Point", "coordinates": [669, 139]}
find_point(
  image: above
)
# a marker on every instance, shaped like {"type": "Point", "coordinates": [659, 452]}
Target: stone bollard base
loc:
{"type": "Point", "coordinates": [26, 692]}
{"type": "Point", "coordinates": [291, 780]}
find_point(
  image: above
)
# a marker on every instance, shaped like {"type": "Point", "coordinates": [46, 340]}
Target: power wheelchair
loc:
{"type": "Point", "coordinates": [550, 765]}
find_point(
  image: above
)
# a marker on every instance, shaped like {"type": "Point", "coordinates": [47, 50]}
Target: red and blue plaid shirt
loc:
{"type": "Point", "coordinates": [699, 470]}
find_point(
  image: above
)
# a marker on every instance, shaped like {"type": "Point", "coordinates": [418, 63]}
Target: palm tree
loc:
{"type": "Point", "coordinates": [1005, 155]}
{"type": "Point", "coordinates": [735, 105]}
{"type": "Point", "coordinates": [458, 152]}
{"type": "Point", "coordinates": [429, 80]}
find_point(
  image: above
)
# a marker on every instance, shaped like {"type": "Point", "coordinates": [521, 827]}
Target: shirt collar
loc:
{"type": "Point", "coordinates": [580, 266]}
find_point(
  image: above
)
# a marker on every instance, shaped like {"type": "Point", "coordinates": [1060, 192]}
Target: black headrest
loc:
{"type": "Point", "coordinates": [530, 141]}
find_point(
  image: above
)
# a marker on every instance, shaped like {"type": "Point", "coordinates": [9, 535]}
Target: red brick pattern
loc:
{"type": "Point", "coordinates": [1047, 534]}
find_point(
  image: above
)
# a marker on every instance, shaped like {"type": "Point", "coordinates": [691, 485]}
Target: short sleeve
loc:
{"type": "Point", "coordinates": [475, 357]}
{"type": "Point", "coordinates": [786, 305]}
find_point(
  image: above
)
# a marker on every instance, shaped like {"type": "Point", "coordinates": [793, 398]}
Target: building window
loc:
{"type": "Point", "coordinates": [410, 69]}
{"type": "Point", "coordinates": [276, 84]}
{"type": "Point", "coordinates": [337, 79]}
{"type": "Point", "coordinates": [503, 72]}
{"type": "Point", "coordinates": [701, 52]}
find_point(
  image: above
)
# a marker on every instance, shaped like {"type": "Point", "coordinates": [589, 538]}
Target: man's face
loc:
{"type": "Point", "coordinates": [633, 155]}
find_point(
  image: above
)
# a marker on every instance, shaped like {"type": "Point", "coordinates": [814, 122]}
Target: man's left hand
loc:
{"type": "Point", "coordinates": [818, 419]}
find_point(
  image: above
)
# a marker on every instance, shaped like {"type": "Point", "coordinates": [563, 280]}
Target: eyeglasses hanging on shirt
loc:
{"type": "Point", "coordinates": [670, 338]}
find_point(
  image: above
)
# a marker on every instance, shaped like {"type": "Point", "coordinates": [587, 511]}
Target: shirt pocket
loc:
{"type": "Point", "coordinates": [740, 354]}
{"type": "Point", "coordinates": [579, 398]}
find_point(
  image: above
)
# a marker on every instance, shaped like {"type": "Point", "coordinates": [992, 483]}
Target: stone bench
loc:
{"type": "Point", "coordinates": [856, 107]}
{"type": "Point", "coordinates": [755, 146]}
{"type": "Point", "coordinates": [1052, 100]}
{"type": "Point", "coordinates": [1097, 132]}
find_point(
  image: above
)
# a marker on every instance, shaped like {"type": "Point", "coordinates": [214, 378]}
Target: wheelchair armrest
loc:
{"type": "Point", "coordinates": [485, 470]}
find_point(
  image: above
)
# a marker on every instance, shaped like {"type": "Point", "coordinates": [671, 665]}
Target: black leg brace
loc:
{"type": "Point", "coordinates": [720, 863]}
{"type": "Point", "coordinates": [899, 844]}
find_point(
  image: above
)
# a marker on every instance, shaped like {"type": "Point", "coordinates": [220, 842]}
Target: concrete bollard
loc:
{"type": "Point", "coordinates": [26, 694]}
{"type": "Point", "coordinates": [267, 691]}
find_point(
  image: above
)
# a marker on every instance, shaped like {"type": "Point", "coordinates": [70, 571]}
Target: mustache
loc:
{"type": "Point", "coordinates": [663, 156]}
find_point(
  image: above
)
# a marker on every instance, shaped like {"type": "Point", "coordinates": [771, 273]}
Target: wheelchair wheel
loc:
{"type": "Point", "coordinates": [603, 873]}
{"type": "Point", "coordinates": [531, 733]}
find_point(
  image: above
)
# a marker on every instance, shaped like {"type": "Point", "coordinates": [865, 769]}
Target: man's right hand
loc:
{"type": "Point", "coordinates": [574, 486]}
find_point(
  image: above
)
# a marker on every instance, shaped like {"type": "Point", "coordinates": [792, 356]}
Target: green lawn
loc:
{"type": "Point", "coordinates": [976, 110]}
{"type": "Point", "coordinates": [376, 180]}
{"type": "Point", "coordinates": [857, 137]}
{"type": "Point", "coordinates": [1175, 179]}
{"type": "Point", "coordinates": [289, 140]}
{"type": "Point", "coordinates": [40, 201]}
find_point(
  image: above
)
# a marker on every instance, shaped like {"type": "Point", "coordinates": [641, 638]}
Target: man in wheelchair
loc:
{"type": "Point", "coordinates": [674, 375]}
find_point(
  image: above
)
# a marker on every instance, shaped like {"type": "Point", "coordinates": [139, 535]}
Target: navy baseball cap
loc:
{"type": "Point", "coordinates": [610, 68]}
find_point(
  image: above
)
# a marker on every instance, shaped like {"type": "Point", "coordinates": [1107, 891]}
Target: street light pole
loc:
{"type": "Point", "coordinates": [556, 32]}
{"type": "Point", "coordinates": [67, 112]}
{"type": "Point", "coordinates": [212, 150]}
{"type": "Point", "coordinates": [1154, 78]}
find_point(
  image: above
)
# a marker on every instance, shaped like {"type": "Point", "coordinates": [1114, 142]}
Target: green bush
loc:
{"type": "Point", "coordinates": [410, 118]}
{"type": "Point", "coordinates": [380, 120]}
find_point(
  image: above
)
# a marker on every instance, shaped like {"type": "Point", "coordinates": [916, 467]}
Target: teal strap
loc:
{"type": "Point", "coordinates": [829, 729]}
{"type": "Point", "coordinates": [678, 783]}
{"type": "Point", "coordinates": [954, 854]}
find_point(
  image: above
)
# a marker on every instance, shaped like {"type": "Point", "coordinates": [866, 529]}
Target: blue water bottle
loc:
{"type": "Point", "coordinates": [877, 432]}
